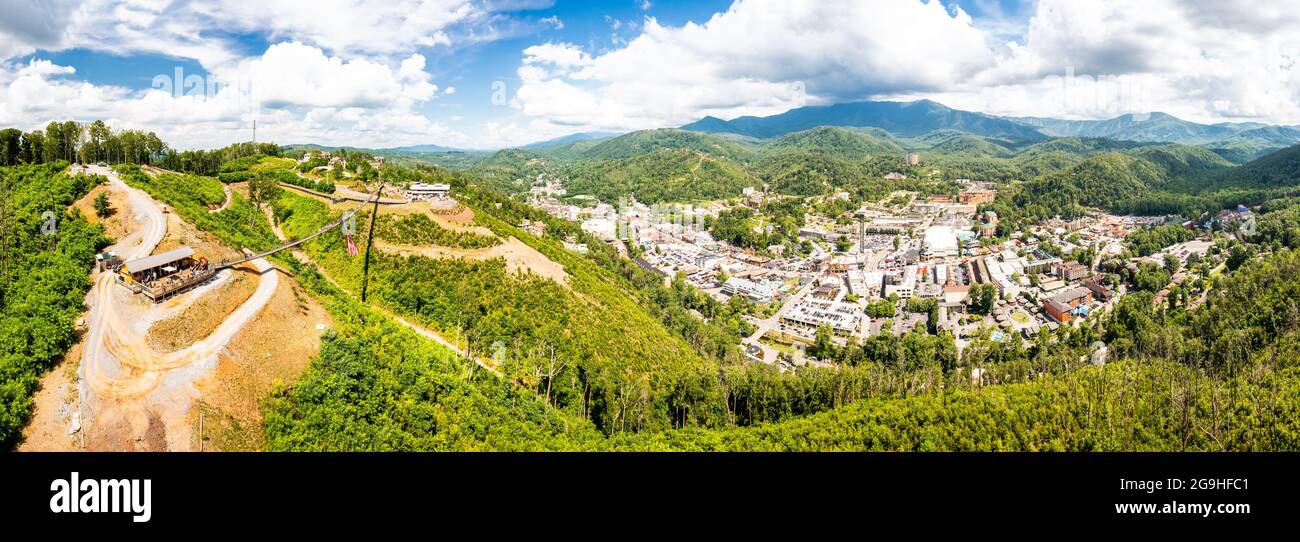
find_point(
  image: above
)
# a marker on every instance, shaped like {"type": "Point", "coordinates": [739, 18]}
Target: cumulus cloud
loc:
{"type": "Point", "coordinates": [758, 57]}
{"type": "Point", "coordinates": [345, 26]}
{"type": "Point", "coordinates": [294, 90]}
{"type": "Point", "coordinates": [197, 28]}
{"type": "Point", "coordinates": [1202, 61]}
{"type": "Point", "coordinates": [341, 69]}
{"type": "Point", "coordinates": [32, 24]}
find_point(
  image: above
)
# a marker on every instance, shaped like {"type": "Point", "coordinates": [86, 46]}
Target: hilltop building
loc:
{"type": "Point", "coordinates": [428, 192]}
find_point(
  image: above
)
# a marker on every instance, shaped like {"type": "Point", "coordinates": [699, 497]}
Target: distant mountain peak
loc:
{"type": "Point", "coordinates": [906, 119]}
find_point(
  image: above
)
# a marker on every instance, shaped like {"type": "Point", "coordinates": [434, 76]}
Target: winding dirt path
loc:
{"type": "Point", "coordinates": [224, 204]}
{"type": "Point", "coordinates": [120, 376]}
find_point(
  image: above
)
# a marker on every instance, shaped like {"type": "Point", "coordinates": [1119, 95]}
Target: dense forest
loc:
{"type": "Point", "coordinates": [1067, 173]}
{"type": "Point", "coordinates": [1148, 241]}
{"type": "Point", "coordinates": [43, 279]}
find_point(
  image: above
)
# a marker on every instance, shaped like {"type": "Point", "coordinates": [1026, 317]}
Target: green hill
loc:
{"type": "Point", "coordinates": [43, 281]}
{"type": "Point", "coordinates": [661, 175]}
{"type": "Point", "coordinates": [905, 119]}
{"type": "Point", "coordinates": [1182, 165]}
{"type": "Point", "coordinates": [833, 141]}
{"type": "Point", "coordinates": [510, 170]}
{"type": "Point", "coordinates": [809, 173]}
{"type": "Point", "coordinates": [649, 141]}
{"type": "Point", "coordinates": [971, 146]}
{"type": "Point", "coordinates": [1279, 169]}
{"type": "Point", "coordinates": [1252, 144]}
{"type": "Point", "coordinates": [1153, 127]}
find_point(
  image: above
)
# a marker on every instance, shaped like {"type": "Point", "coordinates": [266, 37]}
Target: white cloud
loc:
{"type": "Point", "coordinates": [295, 91]}
{"type": "Point", "coordinates": [553, 21]}
{"type": "Point", "coordinates": [758, 57]}
{"type": "Point", "coordinates": [564, 56]}
{"type": "Point", "coordinates": [28, 25]}
{"type": "Point", "coordinates": [1202, 61]}
{"type": "Point", "coordinates": [339, 72]}
{"type": "Point", "coordinates": [197, 29]}
{"type": "Point", "coordinates": [345, 26]}
{"type": "Point", "coordinates": [348, 71]}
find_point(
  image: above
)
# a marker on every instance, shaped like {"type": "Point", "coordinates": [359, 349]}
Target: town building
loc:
{"type": "Point", "coordinates": [976, 196]}
{"type": "Point", "coordinates": [842, 264]}
{"type": "Point", "coordinates": [756, 292]}
{"type": "Point", "coordinates": [1062, 306]}
{"type": "Point", "coordinates": [903, 285]}
{"type": "Point", "coordinates": [1071, 271]}
{"type": "Point", "coordinates": [602, 228]}
{"type": "Point", "coordinates": [1099, 290]}
{"type": "Point", "coordinates": [940, 242]}
{"type": "Point", "coordinates": [810, 314]}
{"type": "Point", "coordinates": [165, 274]}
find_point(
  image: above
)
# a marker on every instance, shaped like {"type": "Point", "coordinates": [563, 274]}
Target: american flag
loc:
{"type": "Point", "coordinates": [352, 247]}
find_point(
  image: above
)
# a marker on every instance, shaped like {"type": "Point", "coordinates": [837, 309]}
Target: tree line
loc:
{"type": "Point", "coordinates": [71, 141]}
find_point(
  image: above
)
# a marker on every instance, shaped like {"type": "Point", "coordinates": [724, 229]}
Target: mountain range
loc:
{"type": "Point", "coordinates": [1237, 142]}
{"type": "Point", "coordinates": [911, 126]}
{"type": "Point", "coordinates": [906, 119]}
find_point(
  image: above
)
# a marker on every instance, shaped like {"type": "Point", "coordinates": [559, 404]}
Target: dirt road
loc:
{"type": "Point", "coordinates": [122, 381]}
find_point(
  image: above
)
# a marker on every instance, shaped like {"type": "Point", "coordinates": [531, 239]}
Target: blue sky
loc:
{"type": "Point", "coordinates": [472, 69]}
{"type": "Point", "coordinates": [493, 73]}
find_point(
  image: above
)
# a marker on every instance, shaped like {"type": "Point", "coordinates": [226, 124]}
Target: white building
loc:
{"type": "Point", "coordinates": [905, 287]}
{"type": "Point", "coordinates": [428, 192]}
{"type": "Point", "coordinates": [941, 242]}
{"type": "Point", "coordinates": [810, 314]}
{"type": "Point", "coordinates": [601, 228]}
{"type": "Point", "coordinates": [759, 293]}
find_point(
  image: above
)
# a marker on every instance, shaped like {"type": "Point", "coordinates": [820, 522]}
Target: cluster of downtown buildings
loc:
{"type": "Point", "coordinates": [933, 248]}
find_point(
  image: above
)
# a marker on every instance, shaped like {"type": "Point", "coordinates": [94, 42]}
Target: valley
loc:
{"type": "Point", "coordinates": [670, 289]}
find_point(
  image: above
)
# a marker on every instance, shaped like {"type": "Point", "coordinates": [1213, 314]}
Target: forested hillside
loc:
{"type": "Point", "coordinates": [675, 165]}
{"type": "Point", "coordinates": [43, 280]}
{"type": "Point", "coordinates": [907, 119]}
{"type": "Point", "coordinates": [662, 175]}
{"type": "Point", "coordinates": [649, 141]}
{"type": "Point", "coordinates": [510, 170]}
{"type": "Point", "coordinates": [839, 142]}
{"type": "Point", "coordinates": [1169, 179]}
{"type": "Point", "coordinates": [376, 386]}
{"type": "Point", "coordinates": [240, 224]}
